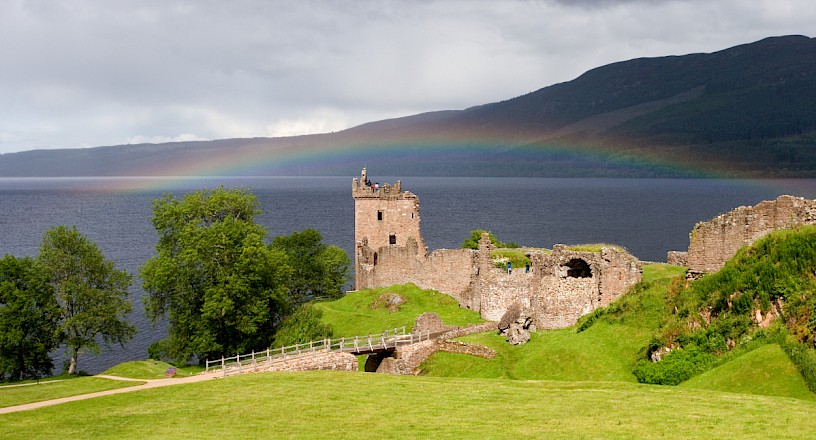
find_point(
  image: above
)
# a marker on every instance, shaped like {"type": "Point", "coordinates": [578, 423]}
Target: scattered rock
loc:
{"type": "Point", "coordinates": [658, 354]}
{"type": "Point", "coordinates": [429, 322]}
{"type": "Point", "coordinates": [510, 316]}
{"type": "Point", "coordinates": [516, 324]}
{"type": "Point", "coordinates": [390, 301]}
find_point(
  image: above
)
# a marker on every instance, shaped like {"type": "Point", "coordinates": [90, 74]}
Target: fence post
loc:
{"type": "Point", "coordinates": [223, 367]}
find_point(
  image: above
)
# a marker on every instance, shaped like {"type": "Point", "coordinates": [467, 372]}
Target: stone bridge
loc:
{"type": "Point", "coordinates": [390, 352]}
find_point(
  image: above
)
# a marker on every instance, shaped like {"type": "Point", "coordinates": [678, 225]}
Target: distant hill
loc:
{"type": "Point", "coordinates": [745, 111]}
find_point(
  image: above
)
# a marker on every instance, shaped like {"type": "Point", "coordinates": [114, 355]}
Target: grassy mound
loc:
{"type": "Point", "coordinates": [607, 346]}
{"type": "Point", "coordinates": [604, 352]}
{"type": "Point", "coordinates": [301, 405]}
{"type": "Point", "coordinates": [719, 313]}
{"type": "Point", "coordinates": [149, 369]}
{"type": "Point", "coordinates": [765, 371]}
{"type": "Point", "coordinates": [369, 311]}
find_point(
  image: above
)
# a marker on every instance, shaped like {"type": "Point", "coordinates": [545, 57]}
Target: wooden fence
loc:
{"type": "Point", "coordinates": [388, 340]}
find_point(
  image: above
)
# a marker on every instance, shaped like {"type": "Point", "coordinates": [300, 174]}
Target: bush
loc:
{"type": "Point", "coordinates": [803, 357]}
{"type": "Point", "coordinates": [302, 326]}
{"type": "Point", "coordinates": [472, 242]}
{"type": "Point", "coordinates": [676, 367]}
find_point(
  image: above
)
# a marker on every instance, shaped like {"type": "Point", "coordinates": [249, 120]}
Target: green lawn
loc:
{"type": "Point", "coordinates": [361, 405]}
{"type": "Point", "coordinates": [353, 314]}
{"type": "Point", "coordinates": [65, 386]}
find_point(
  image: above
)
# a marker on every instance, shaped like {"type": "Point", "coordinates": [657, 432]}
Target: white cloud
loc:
{"type": "Point", "coordinates": [185, 137]}
{"type": "Point", "coordinates": [322, 121]}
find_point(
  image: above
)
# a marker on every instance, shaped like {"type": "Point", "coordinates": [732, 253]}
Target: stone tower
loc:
{"type": "Point", "coordinates": [384, 216]}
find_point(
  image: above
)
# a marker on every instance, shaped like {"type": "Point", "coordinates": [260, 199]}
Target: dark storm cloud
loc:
{"type": "Point", "coordinates": [95, 72]}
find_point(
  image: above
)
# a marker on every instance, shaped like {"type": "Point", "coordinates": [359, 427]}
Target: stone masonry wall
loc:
{"type": "Point", "coordinates": [308, 362]}
{"type": "Point", "coordinates": [561, 285]}
{"type": "Point", "coordinates": [713, 242]}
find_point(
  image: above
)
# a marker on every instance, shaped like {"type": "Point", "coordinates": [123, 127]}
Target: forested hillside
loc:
{"type": "Point", "coordinates": [745, 111]}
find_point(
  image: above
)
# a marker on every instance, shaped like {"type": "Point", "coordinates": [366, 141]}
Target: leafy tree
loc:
{"type": "Point", "coordinates": [91, 292]}
{"type": "Point", "coordinates": [472, 242]}
{"type": "Point", "coordinates": [302, 326]}
{"type": "Point", "coordinates": [222, 287]}
{"type": "Point", "coordinates": [29, 318]}
{"type": "Point", "coordinates": [318, 270]}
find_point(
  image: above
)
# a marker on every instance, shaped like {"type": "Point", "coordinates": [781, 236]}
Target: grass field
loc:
{"type": "Point", "coordinates": [64, 386]}
{"type": "Point", "coordinates": [561, 384]}
{"type": "Point", "coordinates": [359, 405]}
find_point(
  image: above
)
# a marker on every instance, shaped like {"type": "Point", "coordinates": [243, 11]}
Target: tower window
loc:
{"type": "Point", "coordinates": [392, 239]}
{"type": "Point", "coordinates": [379, 215]}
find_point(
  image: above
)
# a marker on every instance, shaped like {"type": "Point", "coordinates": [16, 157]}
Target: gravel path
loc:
{"type": "Point", "coordinates": [154, 383]}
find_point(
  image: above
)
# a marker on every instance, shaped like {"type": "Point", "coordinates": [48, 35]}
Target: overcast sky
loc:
{"type": "Point", "coordinates": [80, 73]}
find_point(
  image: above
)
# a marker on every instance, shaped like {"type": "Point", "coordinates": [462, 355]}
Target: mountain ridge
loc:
{"type": "Point", "coordinates": [745, 111]}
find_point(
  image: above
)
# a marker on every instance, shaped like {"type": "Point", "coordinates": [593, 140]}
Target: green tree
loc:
{"type": "Point", "coordinates": [302, 326]}
{"type": "Point", "coordinates": [222, 288]}
{"type": "Point", "coordinates": [91, 292]}
{"type": "Point", "coordinates": [319, 271]}
{"type": "Point", "coordinates": [29, 319]}
{"type": "Point", "coordinates": [472, 242]}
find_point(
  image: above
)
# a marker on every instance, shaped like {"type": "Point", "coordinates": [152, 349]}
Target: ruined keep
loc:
{"type": "Point", "coordinates": [561, 285]}
{"type": "Point", "coordinates": [713, 242]}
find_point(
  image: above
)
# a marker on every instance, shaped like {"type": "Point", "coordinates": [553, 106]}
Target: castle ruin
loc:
{"type": "Point", "coordinates": [561, 285]}
{"type": "Point", "coordinates": [713, 242]}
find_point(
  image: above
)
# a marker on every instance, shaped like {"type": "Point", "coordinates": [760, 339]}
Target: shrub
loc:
{"type": "Point", "coordinates": [302, 326]}
{"type": "Point", "coordinates": [676, 367]}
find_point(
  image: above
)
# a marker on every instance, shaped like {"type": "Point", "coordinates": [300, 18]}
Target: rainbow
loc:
{"type": "Point", "coordinates": [341, 154]}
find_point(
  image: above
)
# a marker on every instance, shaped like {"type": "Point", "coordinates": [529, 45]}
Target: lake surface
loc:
{"type": "Point", "coordinates": [647, 216]}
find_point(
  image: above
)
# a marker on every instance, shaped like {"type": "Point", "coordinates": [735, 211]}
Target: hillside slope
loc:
{"type": "Point", "coordinates": [745, 111]}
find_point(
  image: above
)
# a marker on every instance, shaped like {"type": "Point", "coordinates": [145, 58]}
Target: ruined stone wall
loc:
{"type": "Point", "coordinates": [448, 270]}
{"type": "Point", "coordinates": [619, 271]}
{"type": "Point", "coordinates": [560, 286]}
{"type": "Point", "coordinates": [713, 242]}
{"type": "Point", "coordinates": [677, 258]}
{"type": "Point", "coordinates": [560, 301]}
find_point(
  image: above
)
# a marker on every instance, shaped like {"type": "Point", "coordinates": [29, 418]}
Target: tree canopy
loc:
{"type": "Point", "coordinates": [29, 318]}
{"type": "Point", "coordinates": [319, 271]}
{"type": "Point", "coordinates": [91, 292]}
{"type": "Point", "coordinates": [222, 288]}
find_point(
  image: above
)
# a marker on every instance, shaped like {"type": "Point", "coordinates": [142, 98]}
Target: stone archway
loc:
{"type": "Point", "coordinates": [578, 268]}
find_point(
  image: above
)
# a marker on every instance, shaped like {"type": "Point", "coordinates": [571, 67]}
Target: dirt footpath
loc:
{"type": "Point", "coordinates": [154, 383]}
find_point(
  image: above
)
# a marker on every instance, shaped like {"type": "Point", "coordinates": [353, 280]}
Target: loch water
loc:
{"type": "Point", "coordinates": [647, 216]}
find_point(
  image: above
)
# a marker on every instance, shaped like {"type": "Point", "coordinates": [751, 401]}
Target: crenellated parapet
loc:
{"type": "Point", "coordinates": [363, 188]}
